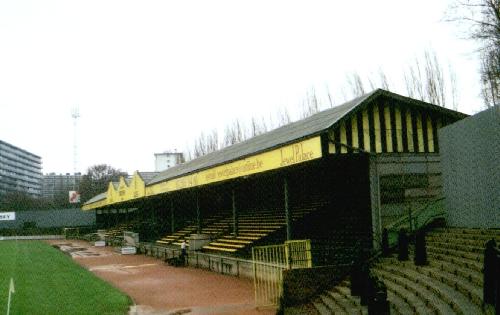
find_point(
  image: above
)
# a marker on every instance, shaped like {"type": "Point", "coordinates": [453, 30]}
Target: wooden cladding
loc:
{"type": "Point", "coordinates": [386, 128]}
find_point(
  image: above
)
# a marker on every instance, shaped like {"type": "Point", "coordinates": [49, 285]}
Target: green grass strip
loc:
{"type": "Point", "coordinates": [50, 282]}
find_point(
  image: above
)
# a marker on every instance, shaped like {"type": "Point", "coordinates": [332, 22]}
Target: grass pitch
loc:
{"type": "Point", "coordinates": [48, 282]}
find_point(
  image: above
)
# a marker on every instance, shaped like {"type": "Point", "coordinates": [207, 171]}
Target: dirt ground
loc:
{"type": "Point", "coordinates": [157, 288]}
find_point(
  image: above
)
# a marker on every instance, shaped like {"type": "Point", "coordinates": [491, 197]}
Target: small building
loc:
{"type": "Point", "coordinates": [20, 170]}
{"type": "Point", "coordinates": [166, 160]}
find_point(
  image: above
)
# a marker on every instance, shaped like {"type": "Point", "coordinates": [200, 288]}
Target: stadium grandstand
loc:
{"type": "Point", "coordinates": [337, 178]}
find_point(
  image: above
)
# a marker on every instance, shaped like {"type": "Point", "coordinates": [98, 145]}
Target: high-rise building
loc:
{"type": "Point", "coordinates": [20, 170]}
{"type": "Point", "coordinates": [56, 185]}
{"type": "Point", "coordinates": [166, 160]}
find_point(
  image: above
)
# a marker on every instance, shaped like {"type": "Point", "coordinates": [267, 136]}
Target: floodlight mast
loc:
{"type": "Point", "coordinates": [75, 114]}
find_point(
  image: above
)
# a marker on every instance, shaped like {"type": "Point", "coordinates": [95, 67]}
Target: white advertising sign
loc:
{"type": "Point", "coordinates": [74, 197]}
{"type": "Point", "coordinates": [7, 216]}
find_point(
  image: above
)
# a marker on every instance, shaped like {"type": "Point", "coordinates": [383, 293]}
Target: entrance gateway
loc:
{"type": "Point", "coordinates": [269, 263]}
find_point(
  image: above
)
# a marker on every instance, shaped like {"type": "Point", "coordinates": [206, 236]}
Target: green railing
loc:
{"type": "Point", "coordinates": [414, 220]}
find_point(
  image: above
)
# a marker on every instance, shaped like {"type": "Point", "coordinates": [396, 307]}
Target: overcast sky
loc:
{"type": "Point", "coordinates": [149, 76]}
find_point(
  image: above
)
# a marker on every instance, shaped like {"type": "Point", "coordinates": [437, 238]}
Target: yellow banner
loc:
{"type": "Point", "coordinates": [285, 156]}
{"type": "Point", "coordinates": [292, 154]}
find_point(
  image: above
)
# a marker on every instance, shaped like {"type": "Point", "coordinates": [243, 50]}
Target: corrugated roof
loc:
{"type": "Point", "coordinates": [297, 130]}
{"type": "Point", "coordinates": [147, 176]}
{"type": "Point", "coordinates": [99, 197]}
{"type": "Point", "coordinates": [304, 128]}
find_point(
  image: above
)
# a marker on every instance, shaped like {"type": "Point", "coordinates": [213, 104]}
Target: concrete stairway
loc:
{"type": "Point", "coordinates": [339, 301]}
{"type": "Point", "coordinates": [452, 283]}
{"type": "Point", "coordinates": [253, 227]}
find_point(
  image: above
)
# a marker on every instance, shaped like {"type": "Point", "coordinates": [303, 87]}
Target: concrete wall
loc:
{"type": "Point", "coordinates": [225, 265]}
{"type": "Point", "coordinates": [51, 218]}
{"type": "Point", "coordinates": [470, 154]}
{"type": "Point", "coordinates": [301, 285]}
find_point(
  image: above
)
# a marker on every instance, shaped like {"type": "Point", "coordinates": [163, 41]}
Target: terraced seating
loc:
{"type": "Point", "coordinates": [118, 230]}
{"type": "Point", "coordinates": [178, 236]}
{"type": "Point", "coordinates": [339, 301]}
{"type": "Point", "coordinates": [254, 226]}
{"type": "Point", "coordinates": [114, 235]}
{"type": "Point", "coordinates": [452, 282]}
{"type": "Point", "coordinates": [214, 225]}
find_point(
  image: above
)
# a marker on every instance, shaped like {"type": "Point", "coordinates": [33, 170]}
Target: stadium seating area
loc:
{"type": "Point", "coordinates": [115, 234]}
{"type": "Point", "coordinates": [253, 226]}
{"type": "Point", "coordinates": [450, 284]}
{"type": "Point", "coordinates": [213, 225]}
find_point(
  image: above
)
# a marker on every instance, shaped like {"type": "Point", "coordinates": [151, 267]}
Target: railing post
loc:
{"type": "Point", "coordinates": [420, 250]}
{"type": "Point", "coordinates": [402, 245]}
{"type": "Point", "coordinates": [490, 272]}
{"type": "Point", "coordinates": [288, 217]}
{"type": "Point", "coordinates": [497, 298]}
{"type": "Point", "coordinates": [235, 215]}
{"type": "Point", "coordinates": [172, 216]}
{"type": "Point", "coordinates": [385, 243]}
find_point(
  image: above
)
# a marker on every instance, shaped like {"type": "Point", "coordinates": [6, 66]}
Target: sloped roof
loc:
{"type": "Point", "coordinates": [99, 197]}
{"type": "Point", "coordinates": [147, 176]}
{"type": "Point", "coordinates": [302, 129]}
{"type": "Point", "coordinates": [296, 130]}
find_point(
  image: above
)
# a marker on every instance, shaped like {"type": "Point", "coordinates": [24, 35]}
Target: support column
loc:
{"type": "Point", "coordinates": [172, 216]}
{"type": "Point", "coordinates": [287, 212]}
{"type": "Point", "coordinates": [198, 214]}
{"type": "Point", "coordinates": [375, 202]}
{"type": "Point", "coordinates": [235, 215]}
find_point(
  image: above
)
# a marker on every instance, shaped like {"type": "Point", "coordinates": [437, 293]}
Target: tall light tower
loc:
{"type": "Point", "coordinates": [75, 114]}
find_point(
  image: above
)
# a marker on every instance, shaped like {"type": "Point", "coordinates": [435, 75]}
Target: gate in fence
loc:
{"type": "Point", "coordinates": [269, 263]}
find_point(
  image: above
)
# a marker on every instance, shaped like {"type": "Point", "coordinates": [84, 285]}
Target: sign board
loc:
{"type": "Point", "coordinates": [100, 243]}
{"type": "Point", "coordinates": [7, 216]}
{"type": "Point", "coordinates": [128, 250]}
{"type": "Point", "coordinates": [74, 197]}
{"type": "Point", "coordinates": [292, 154]}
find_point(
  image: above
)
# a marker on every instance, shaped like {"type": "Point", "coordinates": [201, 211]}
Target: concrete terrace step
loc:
{"type": "Point", "coordinates": [469, 290]}
{"type": "Point", "coordinates": [220, 244]}
{"type": "Point", "coordinates": [232, 240]}
{"type": "Point", "coordinates": [321, 308]}
{"type": "Point", "coordinates": [464, 263]}
{"type": "Point", "coordinates": [456, 253]}
{"type": "Point", "coordinates": [421, 300]}
{"type": "Point", "coordinates": [467, 274]}
{"type": "Point", "coordinates": [455, 237]}
{"type": "Point", "coordinates": [459, 247]}
{"type": "Point", "coordinates": [340, 304]}
{"type": "Point", "coordinates": [462, 241]}
{"type": "Point", "coordinates": [400, 287]}
{"type": "Point", "coordinates": [223, 249]}
{"type": "Point", "coordinates": [398, 305]}
{"type": "Point", "coordinates": [453, 298]}
{"type": "Point", "coordinates": [468, 231]}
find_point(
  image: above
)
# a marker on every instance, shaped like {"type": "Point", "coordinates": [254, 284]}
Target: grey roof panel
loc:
{"type": "Point", "coordinates": [99, 197]}
{"type": "Point", "coordinates": [280, 136]}
{"type": "Point", "coordinates": [147, 176]}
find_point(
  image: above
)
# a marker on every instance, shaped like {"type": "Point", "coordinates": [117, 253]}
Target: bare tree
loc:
{"type": "Point", "coordinates": [234, 133]}
{"type": "Point", "coordinates": [425, 80]}
{"type": "Point", "coordinates": [204, 144]}
{"type": "Point", "coordinates": [355, 84]}
{"type": "Point", "coordinates": [383, 81]}
{"type": "Point", "coordinates": [310, 105]}
{"type": "Point", "coordinates": [453, 87]}
{"type": "Point", "coordinates": [283, 117]}
{"type": "Point", "coordinates": [482, 19]}
{"type": "Point", "coordinates": [257, 127]}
